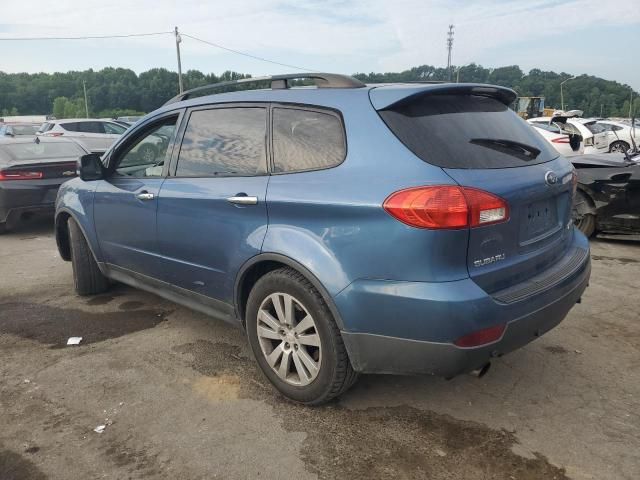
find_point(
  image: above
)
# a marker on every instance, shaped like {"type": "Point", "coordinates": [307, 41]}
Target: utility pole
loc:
{"type": "Point", "coordinates": [449, 48]}
{"type": "Point", "coordinates": [562, 94]}
{"type": "Point", "coordinates": [630, 104]}
{"type": "Point", "coordinates": [86, 103]}
{"type": "Point", "coordinates": [178, 40]}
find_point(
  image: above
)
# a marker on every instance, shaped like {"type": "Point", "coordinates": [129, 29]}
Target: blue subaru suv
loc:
{"type": "Point", "coordinates": [347, 228]}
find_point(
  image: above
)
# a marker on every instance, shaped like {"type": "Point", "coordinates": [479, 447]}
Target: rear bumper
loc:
{"type": "Point", "coordinates": [410, 327]}
{"type": "Point", "coordinates": [19, 197]}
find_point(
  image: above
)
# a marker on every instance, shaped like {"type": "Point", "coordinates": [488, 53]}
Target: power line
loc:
{"type": "Point", "coordinates": [88, 37]}
{"type": "Point", "coordinates": [212, 44]}
{"type": "Point", "coordinates": [255, 57]}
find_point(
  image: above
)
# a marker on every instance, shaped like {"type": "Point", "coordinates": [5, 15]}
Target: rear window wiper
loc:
{"type": "Point", "coordinates": [511, 147]}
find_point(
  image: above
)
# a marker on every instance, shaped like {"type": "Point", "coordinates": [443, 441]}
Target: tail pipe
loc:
{"type": "Point", "coordinates": [482, 371]}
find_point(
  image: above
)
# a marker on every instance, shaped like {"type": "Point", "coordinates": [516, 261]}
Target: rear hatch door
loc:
{"type": "Point", "coordinates": [480, 143]}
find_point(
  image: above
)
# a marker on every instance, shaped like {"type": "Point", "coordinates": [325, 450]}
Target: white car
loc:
{"type": "Point", "coordinates": [567, 144]}
{"type": "Point", "coordinates": [95, 135]}
{"type": "Point", "coordinates": [620, 135]}
{"type": "Point", "coordinates": [593, 136]}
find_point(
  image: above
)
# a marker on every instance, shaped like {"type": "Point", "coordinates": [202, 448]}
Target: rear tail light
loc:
{"type": "Point", "coordinates": [19, 175]}
{"type": "Point", "coordinates": [481, 337]}
{"type": "Point", "coordinates": [53, 134]}
{"type": "Point", "coordinates": [446, 207]}
{"type": "Point", "coordinates": [561, 140]}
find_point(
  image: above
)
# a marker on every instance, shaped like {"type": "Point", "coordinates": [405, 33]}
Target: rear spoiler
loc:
{"type": "Point", "coordinates": [393, 96]}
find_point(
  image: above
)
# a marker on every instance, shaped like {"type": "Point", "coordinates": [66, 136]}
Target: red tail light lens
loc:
{"type": "Point", "coordinates": [54, 134]}
{"type": "Point", "coordinates": [446, 207]}
{"type": "Point", "coordinates": [481, 337]}
{"type": "Point", "coordinates": [561, 140]}
{"type": "Point", "coordinates": [17, 175]}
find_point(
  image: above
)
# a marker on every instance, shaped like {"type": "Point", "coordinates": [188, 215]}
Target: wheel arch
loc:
{"type": "Point", "coordinates": [259, 265]}
{"type": "Point", "coordinates": [63, 241]}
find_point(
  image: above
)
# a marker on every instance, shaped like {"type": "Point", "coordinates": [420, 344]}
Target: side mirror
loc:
{"type": "Point", "coordinates": [90, 167]}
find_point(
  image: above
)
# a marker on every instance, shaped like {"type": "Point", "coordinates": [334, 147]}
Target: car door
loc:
{"type": "Point", "coordinates": [126, 201]}
{"type": "Point", "coordinates": [212, 214]}
{"type": "Point", "coordinates": [91, 135]}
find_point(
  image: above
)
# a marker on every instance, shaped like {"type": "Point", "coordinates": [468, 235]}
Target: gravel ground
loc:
{"type": "Point", "coordinates": [182, 398]}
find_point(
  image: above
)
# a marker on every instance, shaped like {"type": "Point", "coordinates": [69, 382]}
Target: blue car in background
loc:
{"type": "Point", "coordinates": [348, 228]}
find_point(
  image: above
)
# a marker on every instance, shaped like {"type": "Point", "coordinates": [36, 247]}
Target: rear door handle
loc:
{"type": "Point", "coordinates": [145, 196]}
{"type": "Point", "coordinates": [243, 200]}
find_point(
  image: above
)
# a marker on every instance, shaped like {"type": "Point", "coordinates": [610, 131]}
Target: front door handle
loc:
{"type": "Point", "coordinates": [145, 196]}
{"type": "Point", "coordinates": [243, 200]}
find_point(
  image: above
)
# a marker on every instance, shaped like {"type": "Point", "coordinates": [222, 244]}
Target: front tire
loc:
{"type": "Point", "coordinates": [295, 339]}
{"type": "Point", "coordinates": [87, 277]}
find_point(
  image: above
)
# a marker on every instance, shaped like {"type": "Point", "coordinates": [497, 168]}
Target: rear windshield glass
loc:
{"type": "Point", "coordinates": [23, 129]}
{"type": "Point", "coordinates": [467, 131]}
{"type": "Point", "coordinates": [41, 151]}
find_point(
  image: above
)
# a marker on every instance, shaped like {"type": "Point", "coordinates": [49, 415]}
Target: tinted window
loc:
{"type": "Point", "coordinates": [71, 126]}
{"type": "Point", "coordinates": [306, 140]}
{"type": "Point", "coordinates": [146, 156]}
{"type": "Point", "coordinates": [224, 142]}
{"type": "Point", "coordinates": [466, 131]}
{"type": "Point", "coordinates": [90, 127]}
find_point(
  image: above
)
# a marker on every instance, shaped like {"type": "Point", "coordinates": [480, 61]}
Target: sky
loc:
{"type": "Point", "coordinates": [595, 37]}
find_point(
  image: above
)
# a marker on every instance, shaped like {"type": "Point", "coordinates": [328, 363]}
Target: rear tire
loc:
{"type": "Point", "coordinates": [87, 277]}
{"type": "Point", "coordinates": [3, 228]}
{"type": "Point", "coordinates": [316, 342]}
{"type": "Point", "coordinates": [619, 146]}
{"type": "Point", "coordinates": [586, 222]}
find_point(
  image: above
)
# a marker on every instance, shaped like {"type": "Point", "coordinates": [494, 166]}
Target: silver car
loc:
{"type": "Point", "coordinates": [95, 135]}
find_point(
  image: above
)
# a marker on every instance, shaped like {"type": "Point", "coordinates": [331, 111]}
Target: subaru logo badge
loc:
{"type": "Point", "coordinates": [551, 178]}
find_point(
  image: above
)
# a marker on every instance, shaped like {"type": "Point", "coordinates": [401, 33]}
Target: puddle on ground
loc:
{"type": "Point", "coordinates": [383, 442]}
{"type": "Point", "coordinates": [130, 305]}
{"type": "Point", "coordinates": [54, 325]}
{"type": "Point", "coordinates": [16, 467]}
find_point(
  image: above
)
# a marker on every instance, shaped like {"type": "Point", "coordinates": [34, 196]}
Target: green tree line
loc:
{"type": "Point", "coordinates": [120, 91]}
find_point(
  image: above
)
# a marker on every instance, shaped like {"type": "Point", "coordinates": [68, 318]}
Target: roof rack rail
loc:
{"type": "Point", "coordinates": [322, 80]}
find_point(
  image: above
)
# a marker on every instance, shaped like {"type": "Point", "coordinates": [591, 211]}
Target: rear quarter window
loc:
{"type": "Point", "coordinates": [466, 131]}
{"type": "Point", "coordinates": [306, 140]}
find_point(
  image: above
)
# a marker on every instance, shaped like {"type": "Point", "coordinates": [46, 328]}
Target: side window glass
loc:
{"type": "Point", "coordinates": [224, 142]}
{"type": "Point", "coordinates": [94, 127]}
{"type": "Point", "coordinates": [306, 140]}
{"type": "Point", "coordinates": [113, 128]}
{"type": "Point", "coordinates": [71, 126]}
{"type": "Point", "coordinates": [146, 156]}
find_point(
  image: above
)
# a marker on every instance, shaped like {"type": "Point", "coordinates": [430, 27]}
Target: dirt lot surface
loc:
{"type": "Point", "coordinates": [181, 397]}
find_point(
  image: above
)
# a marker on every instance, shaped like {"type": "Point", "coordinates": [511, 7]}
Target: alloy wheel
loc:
{"type": "Point", "coordinates": [289, 339]}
